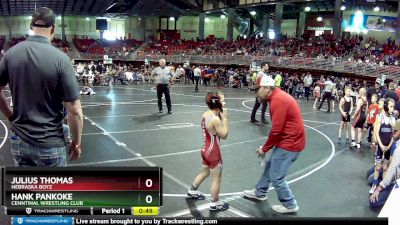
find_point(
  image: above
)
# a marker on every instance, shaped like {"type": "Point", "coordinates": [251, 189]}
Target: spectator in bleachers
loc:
{"type": "Point", "coordinates": [120, 47]}
{"type": "Point", "coordinates": [87, 91]}
{"type": "Point", "coordinates": [80, 69]}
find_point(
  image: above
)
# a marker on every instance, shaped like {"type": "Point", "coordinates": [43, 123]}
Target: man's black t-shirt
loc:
{"type": "Point", "coordinates": [41, 78]}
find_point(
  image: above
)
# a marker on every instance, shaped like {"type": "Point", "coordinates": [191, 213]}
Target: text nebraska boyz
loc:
{"type": "Point", "coordinates": [41, 199]}
{"type": "Point", "coordinates": [38, 183]}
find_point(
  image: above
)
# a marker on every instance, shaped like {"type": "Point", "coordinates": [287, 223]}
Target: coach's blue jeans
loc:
{"type": "Point", "coordinates": [27, 155]}
{"type": "Point", "coordinates": [275, 171]}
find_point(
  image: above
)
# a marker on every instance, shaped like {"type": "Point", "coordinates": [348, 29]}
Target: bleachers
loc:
{"type": "Point", "coordinates": [58, 43]}
{"type": "Point", "coordinates": [102, 47]}
{"type": "Point", "coordinates": [210, 46]}
{"type": "Point", "coordinates": [321, 46]}
{"type": "Point", "coordinates": [62, 45]}
{"type": "Point", "coordinates": [83, 44]}
{"type": "Point", "coordinates": [16, 40]}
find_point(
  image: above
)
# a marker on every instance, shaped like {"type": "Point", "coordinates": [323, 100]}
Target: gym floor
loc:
{"type": "Point", "coordinates": [122, 127]}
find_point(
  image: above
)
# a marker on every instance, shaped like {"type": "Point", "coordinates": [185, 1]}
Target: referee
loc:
{"type": "Point", "coordinates": [163, 80]}
{"type": "Point", "coordinates": [259, 101]}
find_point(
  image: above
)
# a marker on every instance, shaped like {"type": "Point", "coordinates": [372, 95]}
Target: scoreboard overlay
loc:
{"type": "Point", "coordinates": [82, 190]}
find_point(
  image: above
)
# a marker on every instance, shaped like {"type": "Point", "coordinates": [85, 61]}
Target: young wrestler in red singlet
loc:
{"type": "Point", "coordinates": [214, 125]}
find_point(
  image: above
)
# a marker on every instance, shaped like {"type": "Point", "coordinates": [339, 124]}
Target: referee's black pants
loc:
{"type": "Point", "coordinates": [307, 92]}
{"type": "Point", "coordinates": [163, 89]}
{"type": "Point", "coordinates": [327, 96]}
{"type": "Point", "coordinates": [196, 88]}
{"type": "Point", "coordinates": [257, 105]}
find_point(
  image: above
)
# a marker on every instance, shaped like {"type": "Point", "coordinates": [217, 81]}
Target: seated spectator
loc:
{"type": "Point", "coordinates": [87, 91]}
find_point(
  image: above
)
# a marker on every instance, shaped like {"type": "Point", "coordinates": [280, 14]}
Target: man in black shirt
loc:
{"type": "Point", "coordinates": [390, 93]}
{"type": "Point", "coordinates": [42, 81]}
{"type": "Point", "coordinates": [377, 89]}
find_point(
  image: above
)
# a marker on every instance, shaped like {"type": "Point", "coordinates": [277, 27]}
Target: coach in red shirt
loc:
{"type": "Point", "coordinates": [287, 139]}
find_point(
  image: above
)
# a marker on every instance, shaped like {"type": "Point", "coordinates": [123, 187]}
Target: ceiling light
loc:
{"type": "Point", "coordinates": [87, 18]}
{"type": "Point", "coordinates": [109, 7]}
{"type": "Point", "coordinates": [253, 13]}
{"type": "Point", "coordinates": [307, 9]}
{"type": "Point", "coordinates": [223, 16]}
{"type": "Point", "coordinates": [384, 20]}
{"type": "Point", "coordinates": [376, 9]}
{"type": "Point", "coordinates": [343, 8]}
{"type": "Point", "coordinates": [172, 18]}
{"type": "Point", "coordinates": [319, 19]}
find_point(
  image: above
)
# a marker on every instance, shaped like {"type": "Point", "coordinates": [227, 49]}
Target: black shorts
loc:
{"type": "Point", "coordinates": [346, 119]}
{"type": "Point", "coordinates": [359, 121]}
{"type": "Point", "coordinates": [369, 125]}
{"type": "Point", "coordinates": [380, 156]}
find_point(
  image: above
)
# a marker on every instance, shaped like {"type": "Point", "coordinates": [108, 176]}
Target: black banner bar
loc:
{"type": "Point", "coordinates": [307, 221]}
{"type": "Point", "coordinates": [229, 221]}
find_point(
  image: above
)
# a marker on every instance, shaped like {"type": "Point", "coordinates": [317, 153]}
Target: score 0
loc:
{"type": "Point", "coordinates": [150, 184]}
